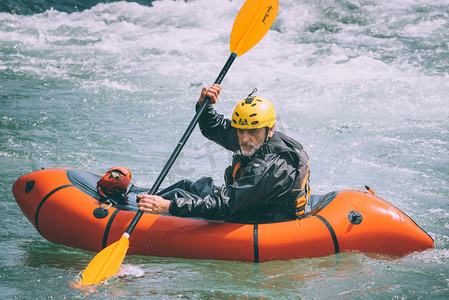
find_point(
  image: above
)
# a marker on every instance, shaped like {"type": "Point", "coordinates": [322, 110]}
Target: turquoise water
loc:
{"type": "Point", "coordinates": [362, 84]}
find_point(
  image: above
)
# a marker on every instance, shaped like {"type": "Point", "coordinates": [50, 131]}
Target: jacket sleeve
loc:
{"type": "Point", "coordinates": [261, 183]}
{"type": "Point", "coordinates": [217, 128]}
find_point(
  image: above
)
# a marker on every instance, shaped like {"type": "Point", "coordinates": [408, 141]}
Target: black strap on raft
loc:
{"type": "Point", "coordinates": [36, 217]}
{"type": "Point", "coordinates": [107, 229]}
{"type": "Point", "coordinates": [331, 231]}
{"type": "Point", "coordinates": [256, 242]}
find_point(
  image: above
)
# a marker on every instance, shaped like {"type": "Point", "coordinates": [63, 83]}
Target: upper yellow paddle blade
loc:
{"type": "Point", "coordinates": [107, 262]}
{"type": "Point", "coordinates": [252, 23]}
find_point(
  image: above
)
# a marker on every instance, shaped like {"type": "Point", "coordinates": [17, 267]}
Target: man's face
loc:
{"type": "Point", "coordinates": [251, 139]}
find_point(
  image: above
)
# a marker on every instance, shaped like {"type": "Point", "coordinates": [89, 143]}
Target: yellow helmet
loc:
{"type": "Point", "coordinates": [253, 112]}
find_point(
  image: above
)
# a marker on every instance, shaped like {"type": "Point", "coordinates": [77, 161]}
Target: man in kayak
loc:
{"type": "Point", "coordinates": [268, 180]}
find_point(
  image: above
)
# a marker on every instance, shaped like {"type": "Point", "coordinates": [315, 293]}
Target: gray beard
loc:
{"type": "Point", "coordinates": [251, 152]}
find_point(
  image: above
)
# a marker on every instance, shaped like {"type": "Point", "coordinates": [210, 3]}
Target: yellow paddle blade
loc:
{"type": "Point", "coordinates": [252, 23]}
{"type": "Point", "coordinates": [107, 262]}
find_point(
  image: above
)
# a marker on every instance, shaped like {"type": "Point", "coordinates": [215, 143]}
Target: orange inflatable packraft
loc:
{"type": "Point", "coordinates": [63, 205]}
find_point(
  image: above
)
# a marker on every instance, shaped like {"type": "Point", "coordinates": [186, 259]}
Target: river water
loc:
{"type": "Point", "coordinates": [362, 84]}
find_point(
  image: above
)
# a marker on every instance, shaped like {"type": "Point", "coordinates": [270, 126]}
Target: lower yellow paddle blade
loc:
{"type": "Point", "coordinates": [252, 23]}
{"type": "Point", "coordinates": [107, 262]}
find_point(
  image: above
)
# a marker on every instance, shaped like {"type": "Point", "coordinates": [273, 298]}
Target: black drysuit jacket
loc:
{"type": "Point", "coordinates": [264, 189]}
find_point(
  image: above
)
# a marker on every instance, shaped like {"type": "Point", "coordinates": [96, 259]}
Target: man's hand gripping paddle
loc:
{"type": "Point", "coordinates": [250, 26]}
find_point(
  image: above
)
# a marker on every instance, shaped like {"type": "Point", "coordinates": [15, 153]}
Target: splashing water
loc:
{"type": "Point", "coordinates": [362, 85]}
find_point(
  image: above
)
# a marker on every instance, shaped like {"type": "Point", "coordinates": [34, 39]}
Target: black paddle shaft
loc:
{"type": "Point", "coordinates": [181, 143]}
